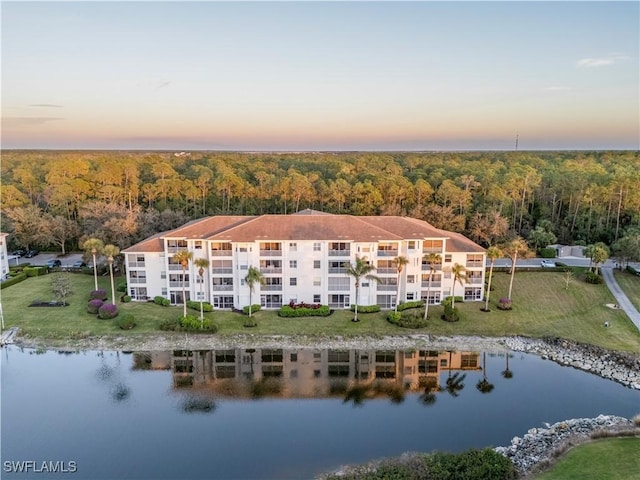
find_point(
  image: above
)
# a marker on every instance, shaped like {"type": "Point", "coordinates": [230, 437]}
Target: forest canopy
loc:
{"type": "Point", "coordinates": [57, 198]}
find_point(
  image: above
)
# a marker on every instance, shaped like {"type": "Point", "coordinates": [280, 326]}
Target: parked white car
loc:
{"type": "Point", "coordinates": [547, 264]}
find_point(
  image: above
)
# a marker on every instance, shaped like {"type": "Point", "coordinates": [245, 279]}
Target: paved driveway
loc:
{"type": "Point", "coordinates": [621, 297]}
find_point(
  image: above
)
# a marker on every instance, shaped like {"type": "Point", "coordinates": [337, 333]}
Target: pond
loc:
{"type": "Point", "coordinates": [274, 413]}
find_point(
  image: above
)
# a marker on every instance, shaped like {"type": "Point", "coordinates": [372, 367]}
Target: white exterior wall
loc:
{"type": "Point", "coordinates": [244, 255]}
{"type": "Point", "coordinates": [4, 256]}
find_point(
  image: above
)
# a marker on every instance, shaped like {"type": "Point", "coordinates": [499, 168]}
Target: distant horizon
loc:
{"type": "Point", "coordinates": [321, 76]}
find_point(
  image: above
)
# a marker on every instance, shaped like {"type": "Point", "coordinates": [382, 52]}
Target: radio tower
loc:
{"type": "Point", "coordinates": [516, 141]}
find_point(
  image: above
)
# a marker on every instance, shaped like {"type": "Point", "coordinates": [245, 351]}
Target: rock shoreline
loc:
{"type": "Point", "coordinates": [539, 447]}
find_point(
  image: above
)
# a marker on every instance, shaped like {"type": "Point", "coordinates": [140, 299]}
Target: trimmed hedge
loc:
{"type": "Point", "coordinates": [366, 308]}
{"type": "Point", "coordinates": [190, 323]}
{"type": "Point", "coordinates": [100, 294]}
{"type": "Point", "coordinates": [107, 311]}
{"type": "Point", "coordinates": [593, 278]}
{"type": "Point", "coordinates": [165, 302]}
{"type": "Point", "coordinates": [254, 309]}
{"type": "Point", "coordinates": [126, 298]}
{"type": "Point", "coordinates": [34, 271]}
{"type": "Point", "coordinates": [413, 304]}
{"type": "Point", "coordinates": [126, 322]}
{"type": "Point", "coordinates": [94, 305]}
{"type": "Point", "coordinates": [451, 314]}
{"type": "Point", "coordinates": [206, 306]}
{"type": "Point", "coordinates": [320, 311]}
{"type": "Point", "coordinates": [21, 277]}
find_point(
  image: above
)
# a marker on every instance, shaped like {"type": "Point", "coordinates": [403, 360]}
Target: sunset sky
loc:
{"type": "Point", "coordinates": [320, 75]}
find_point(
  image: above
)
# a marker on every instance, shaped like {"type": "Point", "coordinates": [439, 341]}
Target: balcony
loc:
{"type": "Point", "coordinates": [388, 253]}
{"type": "Point", "coordinates": [221, 270]}
{"type": "Point", "coordinates": [425, 267]}
{"type": "Point", "coordinates": [221, 253]}
{"type": "Point", "coordinates": [475, 280]}
{"type": "Point", "coordinates": [179, 284]}
{"type": "Point", "coordinates": [434, 284]}
{"type": "Point", "coordinates": [337, 270]}
{"type": "Point", "coordinates": [136, 264]}
{"type": "Point", "coordinates": [270, 253]}
{"type": "Point", "coordinates": [387, 271]}
{"type": "Point", "coordinates": [138, 280]}
{"type": "Point", "coordinates": [387, 288]}
{"type": "Point", "coordinates": [271, 270]}
{"type": "Point", "coordinates": [428, 250]}
{"type": "Point", "coordinates": [222, 288]}
{"type": "Point", "coordinates": [175, 266]}
{"type": "Point", "coordinates": [339, 253]}
{"type": "Point", "coordinates": [271, 288]}
{"type": "Point", "coordinates": [474, 264]}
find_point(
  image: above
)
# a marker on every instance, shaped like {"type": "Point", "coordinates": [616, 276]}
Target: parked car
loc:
{"type": "Point", "coordinates": [32, 253]}
{"type": "Point", "coordinates": [54, 263]}
{"type": "Point", "coordinates": [547, 264]}
{"type": "Point", "coordinates": [19, 253]}
{"type": "Point", "coordinates": [79, 264]}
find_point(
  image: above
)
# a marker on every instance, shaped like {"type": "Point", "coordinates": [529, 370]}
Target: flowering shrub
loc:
{"type": "Point", "coordinates": [94, 305]}
{"type": "Point", "coordinates": [100, 294]}
{"type": "Point", "coordinates": [505, 304]}
{"type": "Point", "coordinates": [107, 310]}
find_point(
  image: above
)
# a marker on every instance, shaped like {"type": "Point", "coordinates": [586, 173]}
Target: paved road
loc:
{"type": "Point", "coordinates": [621, 297]}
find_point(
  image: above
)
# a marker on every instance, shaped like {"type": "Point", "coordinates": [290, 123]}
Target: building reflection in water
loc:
{"type": "Point", "coordinates": [354, 375]}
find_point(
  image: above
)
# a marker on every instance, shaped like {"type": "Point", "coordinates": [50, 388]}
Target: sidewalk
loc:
{"type": "Point", "coordinates": [623, 301]}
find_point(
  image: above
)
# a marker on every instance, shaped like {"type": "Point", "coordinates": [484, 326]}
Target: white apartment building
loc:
{"type": "Point", "coordinates": [4, 256]}
{"type": "Point", "coordinates": [302, 257]}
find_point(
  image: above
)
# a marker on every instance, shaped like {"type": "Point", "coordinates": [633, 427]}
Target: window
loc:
{"type": "Point", "coordinates": [471, 294]}
{"type": "Point", "coordinates": [410, 296]}
{"type": "Point", "coordinates": [317, 246]}
{"type": "Point", "coordinates": [316, 281]}
{"type": "Point", "coordinates": [222, 301]}
{"type": "Point", "coordinates": [163, 274]}
{"type": "Point", "coordinates": [294, 357]}
{"type": "Point", "coordinates": [271, 301]}
{"type": "Point", "coordinates": [293, 264]}
{"type": "Point", "coordinates": [447, 275]}
{"type": "Point", "coordinates": [339, 301]}
{"type": "Point", "coordinates": [272, 355]}
{"type": "Point", "coordinates": [293, 247]}
{"type": "Point", "coordinates": [447, 258]}
{"type": "Point", "coordinates": [432, 246]}
{"type": "Point", "coordinates": [199, 295]}
{"type": "Point", "coordinates": [293, 281]}
{"type": "Point", "coordinates": [412, 245]}
{"type": "Point", "coordinates": [386, 301]}
{"type": "Point", "coordinates": [317, 298]}
{"type": "Point", "coordinates": [469, 360]}
{"type": "Point", "coordinates": [244, 267]}
{"type": "Point", "coordinates": [242, 249]}
{"type": "Point", "coordinates": [316, 264]}
{"type": "Point", "coordinates": [198, 245]}
{"type": "Point", "coordinates": [411, 279]}
{"type": "Point", "coordinates": [339, 283]}
{"type": "Point", "coordinates": [293, 374]}
{"type": "Point", "coordinates": [164, 292]}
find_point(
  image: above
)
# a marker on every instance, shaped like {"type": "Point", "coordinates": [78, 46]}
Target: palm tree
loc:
{"type": "Point", "coordinates": [183, 257]}
{"type": "Point", "coordinates": [507, 373]}
{"type": "Point", "coordinates": [484, 386]}
{"type": "Point", "coordinates": [434, 260]}
{"type": "Point", "coordinates": [93, 246]}
{"type": "Point", "coordinates": [254, 275]}
{"type": "Point", "coordinates": [493, 253]}
{"type": "Point", "coordinates": [201, 263]}
{"type": "Point", "coordinates": [111, 251]}
{"type": "Point", "coordinates": [455, 383]}
{"type": "Point", "coordinates": [459, 276]}
{"type": "Point", "coordinates": [429, 397]}
{"type": "Point", "coordinates": [513, 249]}
{"type": "Point", "coordinates": [360, 269]}
{"type": "Point", "coordinates": [399, 263]}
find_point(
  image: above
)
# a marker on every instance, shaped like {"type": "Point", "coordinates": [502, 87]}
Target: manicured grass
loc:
{"type": "Point", "coordinates": [542, 307]}
{"type": "Point", "coordinates": [606, 459]}
{"type": "Point", "coordinates": [630, 284]}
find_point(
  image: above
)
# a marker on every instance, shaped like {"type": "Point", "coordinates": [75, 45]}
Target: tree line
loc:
{"type": "Point", "coordinates": [58, 199]}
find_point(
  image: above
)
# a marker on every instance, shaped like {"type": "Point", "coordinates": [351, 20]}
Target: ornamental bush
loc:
{"type": "Point", "coordinates": [206, 306]}
{"type": "Point", "coordinates": [412, 319]}
{"type": "Point", "coordinates": [191, 323]}
{"type": "Point", "coordinates": [94, 305]}
{"type": "Point", "coordinates": [451, 314]}
{"type": "Point", "coordinates": [366, 308]}
{"type": "Point", "coordinates": [505, 304]}
{"type": "Point", "coordinates": [107, 311]}
{"type": "Point", "coordinates": [126, 322]}
{"type": "Point", "coordinates": [315, 311]}
{"type": "Point", "coordinates": [447, 301]}
{"type": "Point", "coordinates": [100, 294]}
{"type": "Point", "coordinates": [121, 286]}
{"type": "Point", "coordinates": [254, 309]}
{"type": "Point", "coordinates": [158, 300]}
{"type": "Point", "coordinates": [171, 325]}
{"type": "Point", "coordinates": [593, 278]}
{"type": "Point", "coordinates": [412, 304]}
{"type": "Point", "coordinates": [126, 298]}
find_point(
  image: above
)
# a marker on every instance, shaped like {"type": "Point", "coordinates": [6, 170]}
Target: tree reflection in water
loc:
{"type": "Point", "coordinates": [484, 386]}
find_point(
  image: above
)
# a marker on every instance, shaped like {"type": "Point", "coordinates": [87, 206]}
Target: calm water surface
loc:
{"type": "Point", "coordinates": [271, 414]}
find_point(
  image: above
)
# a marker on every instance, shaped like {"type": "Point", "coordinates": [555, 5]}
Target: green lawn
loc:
{"type": "Point", "coordinates": [542, 307]}
{"type": "Point", "coordinates": [606, 459]}
{"type": "Point", "coordinates": [630, 284]}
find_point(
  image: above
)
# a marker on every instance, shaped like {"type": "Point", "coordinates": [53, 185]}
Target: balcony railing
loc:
{"type": "Point", "coordinates": [271, 270]}
{"type": "Point", "coordinates": [387, 271]}
{"type": "Point", "coordinates": [474, 264]}
{"type": "Point", "coordinates": [431, 250]}
{"type": "Point", "coordinates": [179, 284]}
{"type": "Point", "coordinates": [221, 253]}
{"type": "Point", "coordinates": [175, 266]}
{"type": "Point", "coordinates": [425, 267]}
{"type": "Point", "coordinates": [337, 270]}
{"type": "Point", "coordinates": [136, 264]}
{"type": "Point", "coordinates": [271, 288]}
{"type": "Point", "coordinates": [434, 284]}
{"type": "Point", "coordinates": [475, 280]}
{"type": "Point", "coordinates": [270, 253]}
{"type": "Point", "coordinates": [388, 253]}
{"type": "Point", "coordinates": [220, 270]}
{"type": "Point", "coordinates": [387, 288]}
{"type": "Point", "coordinates": [222, 288]}
{"type": "Point", "coordinates": [138, 280]}
{"type": "Point", "coordinates": [339, 253]}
